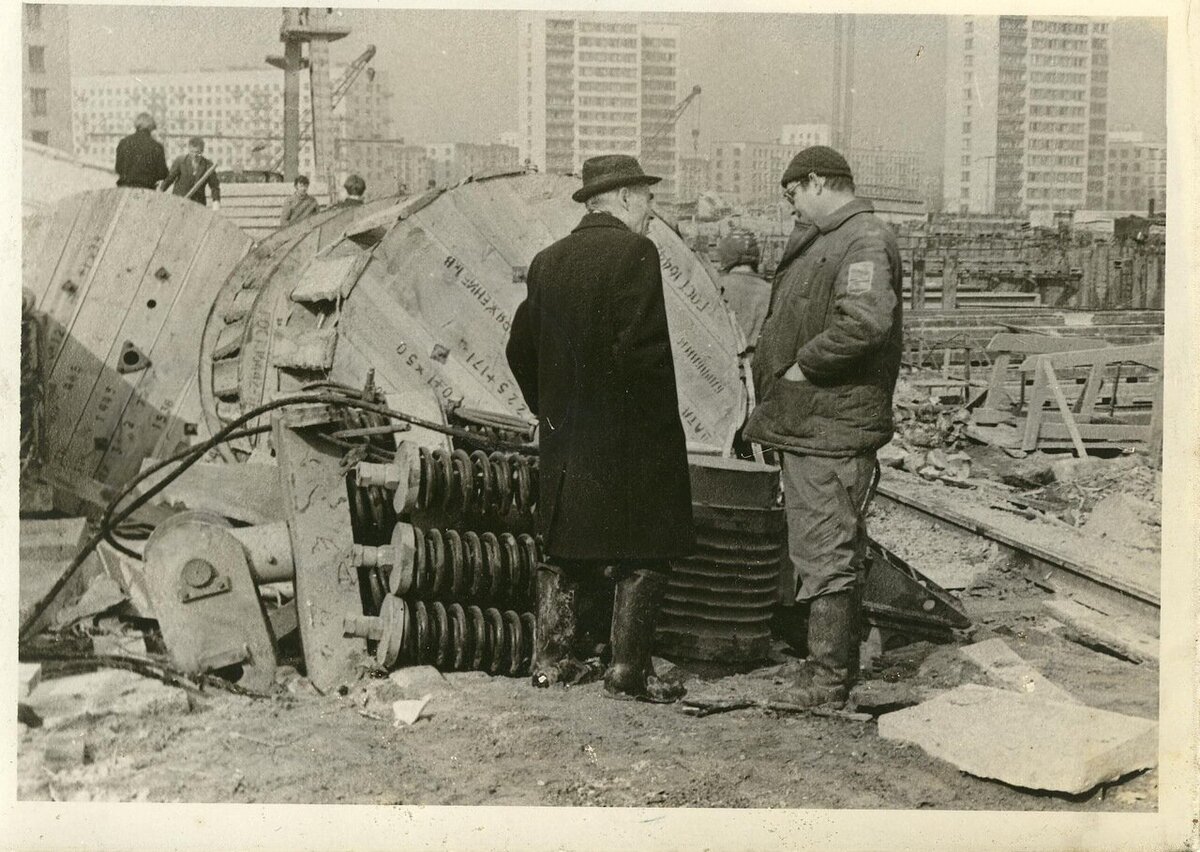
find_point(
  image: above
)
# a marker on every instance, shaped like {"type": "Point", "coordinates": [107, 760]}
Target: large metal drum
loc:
{"type": "Point", "coordinates": [423, 292]}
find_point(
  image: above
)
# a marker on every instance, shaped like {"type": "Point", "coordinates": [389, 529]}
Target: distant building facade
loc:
{"type": "Point", "coordinates": [597, 83]}
{"type": "Point", "coordinates": [46, 76]}
{"type": "Point", "coordinates": [695, 177]}
{"type": "Point", "coordinates": [1026, 113]}
{"type": "Point", "coordinates": [451, 162]}
{"type": "Point", "coordinates": [239, 113]}
{"type": "Point", "coordinates": [1136, 174]}
{"type": "Point", "coordinates": [748, 173]}
{"type": "Point", "coordinates": [802, 136]}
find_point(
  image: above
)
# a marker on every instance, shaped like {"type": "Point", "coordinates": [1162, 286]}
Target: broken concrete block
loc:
{"type": "Point", "coordinates": [880, 696]}
{"type": "Point", "coordinates": [1006, 669]}
{"type": "Point", "coordinates": [1123, 636]}
{"type": "Point", "coordinates": [1026, 740]}
{"type": "Point", "coordinates": [68, 754]}
{"type": "Point", "coordinates": [1126, 520]}
{"type": "Point", "coordinates": [111, 691]}
{"type": "Point", "coordinates": [102, 594]}
{"type": "Point", "coordinates": [54, 539]}
{"type": "Point", "coordinates": [47, 548]}
{"type": "Point", "coordinates": [406, 713]}
{"type": "Point", "coordinates": [29, 675]}
{"type": "Point", "coordinates": [419, 679]}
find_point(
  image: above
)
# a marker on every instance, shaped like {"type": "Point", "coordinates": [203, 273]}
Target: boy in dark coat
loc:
{"type": "Point", "coordinates": [591, 351]}
{"type": "Point", "coordinates": [141, 162]}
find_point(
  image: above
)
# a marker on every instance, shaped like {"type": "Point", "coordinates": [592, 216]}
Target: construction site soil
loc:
{"type": "Point", "coordinates": [497, 741]}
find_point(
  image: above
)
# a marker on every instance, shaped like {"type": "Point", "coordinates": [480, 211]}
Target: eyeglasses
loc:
{"type": "Point", "coordinates": [790, 192]}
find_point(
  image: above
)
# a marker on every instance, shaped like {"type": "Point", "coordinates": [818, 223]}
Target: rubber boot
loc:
{"type": "Point", "coordinates": [790, 623]}
{"type": "Point", "coordinates": [635, 613]}
{"type": "Point", "coordinates": [832, 651]}
{"type": "Point", "coordinates": [554, 659]}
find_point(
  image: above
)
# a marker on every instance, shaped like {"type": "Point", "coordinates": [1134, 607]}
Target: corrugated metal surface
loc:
{"type": "Point", "coordinates": [719, 602]}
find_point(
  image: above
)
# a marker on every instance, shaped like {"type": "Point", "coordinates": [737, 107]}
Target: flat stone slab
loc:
{"type": "Point", "coordinates": [1006, 668]}
{"type": "Point", "coordinates": [68, 699]}
{"type": "Point", "coordinates": [1026, 740]}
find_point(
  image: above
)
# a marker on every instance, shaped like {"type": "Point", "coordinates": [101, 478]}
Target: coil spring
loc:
{"type": "Point", "coordinates": [458, 638]}
{"type": "Point", "coordinates": [454, 565]}
{"type": "Point", "coordinates": [477, 483]}
{"type": "Point", "coordinates": [371, 512]}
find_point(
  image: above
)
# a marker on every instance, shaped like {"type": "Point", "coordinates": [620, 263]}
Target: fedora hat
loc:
{"type": "Point", "coordinates": [611, 171]}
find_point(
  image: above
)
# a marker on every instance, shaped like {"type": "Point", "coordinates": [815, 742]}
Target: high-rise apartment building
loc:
{"type": "Point", "coordinates": [1026, 113]}
{"type": "Point", "coordinates": [239, 113]}
{"type": "Point", "coordinates": [600, 83]}
{"type": "Point", "coordinates": [1137, 173]}
{"type": "Point", "coordinates": [46, 76]}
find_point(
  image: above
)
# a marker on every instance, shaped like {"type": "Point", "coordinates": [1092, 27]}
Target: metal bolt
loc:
{"type": "Point", "coordinates": [197, 573]}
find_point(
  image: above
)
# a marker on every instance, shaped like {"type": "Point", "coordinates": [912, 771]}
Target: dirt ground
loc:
{"type": "Point", "coordinates": [498, 741]}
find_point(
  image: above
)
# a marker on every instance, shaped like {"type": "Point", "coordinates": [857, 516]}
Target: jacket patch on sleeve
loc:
{"type": "Point", "coordinates": [859, 277]}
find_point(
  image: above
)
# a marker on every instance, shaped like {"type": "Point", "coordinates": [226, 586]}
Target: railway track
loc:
{"type": "Point", "coordinates": [1130, 603]}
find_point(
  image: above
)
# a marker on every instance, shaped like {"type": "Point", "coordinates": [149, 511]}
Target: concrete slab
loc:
{"type": "Point", "coordinates": [64, 700]}
{"type": "Point", "coordinates": [1026, 740]}
{"type": "Point", "coordinates": [1005, 668]}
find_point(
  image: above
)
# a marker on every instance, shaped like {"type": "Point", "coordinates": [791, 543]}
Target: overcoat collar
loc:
{"type": "Point", "coordinates": [598, 219]}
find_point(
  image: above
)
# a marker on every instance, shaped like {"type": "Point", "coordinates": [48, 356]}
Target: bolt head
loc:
{"type": "Point", "coordinates": [197, 573]}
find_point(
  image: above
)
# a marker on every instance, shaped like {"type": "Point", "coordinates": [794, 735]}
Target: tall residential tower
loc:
{"type": "Point", "coordinates": [598, 84]}
{"type": "Point", "coordinates": [1026, 113]}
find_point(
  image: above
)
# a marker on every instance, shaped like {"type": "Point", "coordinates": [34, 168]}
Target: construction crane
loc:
{"type": "Point", "coordinates": [673, 119]}
{"type": "Point", "coordinates": [353, 70]}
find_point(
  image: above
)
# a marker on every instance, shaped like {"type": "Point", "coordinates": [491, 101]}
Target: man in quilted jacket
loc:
{"type": "Point", "coordinates": [825, 370]}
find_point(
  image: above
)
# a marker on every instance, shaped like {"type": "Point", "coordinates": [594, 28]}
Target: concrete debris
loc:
{"type": "Point", "coordinates": [1005, 668]}
{"type": "Point", "coordinates": [407, 712]}
{"type": "Point", "coordinates": [128, 645]}
{"type": "Point", "coordinates": [54, 539]}
{"type": "Point", "coordinates": [78, 698]}
{"type": "Point", "coordinates": [47, 548]}
{"type": "Point", "coordinates": [1026, 740]}
{"type": "Point", "coordinates": [1097, 629]}
{"type": "Point", "coordinates": [877, 697]}
{"type": "Point", "coordinates": [419, 679]}
{"type": "Point", "coordinates": [1126, 520]}
{"type": "Point", "coordinates": [102, 594]}
{"type": "Point", "coordinates": [29, 675]}
{"type": "Point", "coordinates": [68, 754]}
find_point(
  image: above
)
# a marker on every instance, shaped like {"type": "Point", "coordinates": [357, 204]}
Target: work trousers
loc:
{"type": "Point", "coordinates": [826, 501]}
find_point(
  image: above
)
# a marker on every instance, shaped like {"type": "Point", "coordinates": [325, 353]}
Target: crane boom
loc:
{"type": "Point", "coordinates": [339, 91]}
{"type": "Point", "coordinates": [674, 117]}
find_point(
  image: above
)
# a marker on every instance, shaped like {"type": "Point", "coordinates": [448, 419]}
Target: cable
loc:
{"type": "Point", "coordinates": [330, 394]}
{"type": "Point", "coordinates": [151, 667]}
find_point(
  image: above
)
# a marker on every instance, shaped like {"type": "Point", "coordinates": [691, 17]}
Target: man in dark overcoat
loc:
{"type": "Point", "coordinates": [591, 351]}
{"type": "Point", "coordinates": [141, 162]}
{"type": "Point", "coordinates": [193, 168]}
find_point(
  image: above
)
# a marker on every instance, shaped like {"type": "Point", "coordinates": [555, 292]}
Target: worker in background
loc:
{"type": "Point", "coordinates": [355, 187]}
{"type": "Point", "coordinates": [141, 161]}
{"type": "Point", "coordinates": [825, 370]}
{"type": "Point", "coordinates": [746, 293]}
{"type": "Point", "coordinates": [591, 351]}
{"type": "Point", "coordinates": [299, 205]}
{"type": "Point", "coordinates": [192, 173]}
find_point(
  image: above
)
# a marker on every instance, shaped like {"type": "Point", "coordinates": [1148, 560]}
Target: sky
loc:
{"type": "Point", "coordinates": [454, 73]}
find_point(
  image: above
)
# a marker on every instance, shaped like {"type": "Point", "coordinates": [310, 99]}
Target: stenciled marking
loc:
{"type": "Point", "coordinates": [476, 288]}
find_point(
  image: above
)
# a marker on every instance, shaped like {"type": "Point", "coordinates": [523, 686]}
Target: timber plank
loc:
{"type": "Point", "coordinates": [129, 304]}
